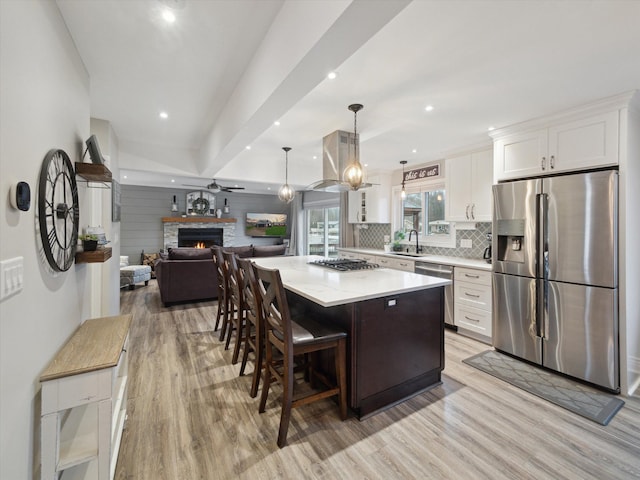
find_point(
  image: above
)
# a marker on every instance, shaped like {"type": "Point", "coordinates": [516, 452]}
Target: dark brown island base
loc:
{"type": "Point", "coordinates": [394, 321]}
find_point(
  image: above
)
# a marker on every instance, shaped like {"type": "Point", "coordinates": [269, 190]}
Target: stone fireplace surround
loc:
{"type": "Point", "coordinates": [171, 225]}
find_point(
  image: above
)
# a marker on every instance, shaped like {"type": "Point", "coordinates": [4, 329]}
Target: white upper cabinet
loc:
{"type": "Point", "coordinates": [583, 143]}
{"type": "Point", "coordinates": [468, 187]}
{"type": "Point", "coordinates": [371, 205]}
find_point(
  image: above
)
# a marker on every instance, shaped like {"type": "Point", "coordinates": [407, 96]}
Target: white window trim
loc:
{"type": "Point", "coordinates": [396, 214]}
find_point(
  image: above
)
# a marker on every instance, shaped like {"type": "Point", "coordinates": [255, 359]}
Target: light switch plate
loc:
{"type": "Point", "coordinates": [11, 276]}
{"type": "Point", "coordinates": [466, 243]}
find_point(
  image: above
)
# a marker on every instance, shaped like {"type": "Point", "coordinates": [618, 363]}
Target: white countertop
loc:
{"type": "Point", "coordinates": [444, 260]}
{"type": "Point", "coordinates": [328, 287]}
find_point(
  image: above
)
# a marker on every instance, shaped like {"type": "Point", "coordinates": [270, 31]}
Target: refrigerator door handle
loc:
{"type": "Point", "coordinates": [544, 249]}
{"type": "Point", "coordinates": [542, 262]}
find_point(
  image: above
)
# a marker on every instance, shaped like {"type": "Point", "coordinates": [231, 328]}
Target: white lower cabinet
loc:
{"type": "Point", "coordinates": [357, 256]}
{"type": "Point", "coordinates": [472, 302]}
{"type": "Point", "coordinates": [84, 391]}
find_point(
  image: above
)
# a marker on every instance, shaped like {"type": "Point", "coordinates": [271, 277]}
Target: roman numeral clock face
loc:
{"type": "Point", "coordinates": [58, 211]}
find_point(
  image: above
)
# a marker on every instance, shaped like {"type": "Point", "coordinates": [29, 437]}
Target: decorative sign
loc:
{"type": "Point", "coordinates": [424, 173]}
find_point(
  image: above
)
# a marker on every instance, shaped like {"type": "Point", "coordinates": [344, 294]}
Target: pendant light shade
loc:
{"type": "Point", "coordinates": [403, 194]}
{"type": "Point", "coordinates": [286, 193]}
{"type": "Point", "coordinates": [353, 175]}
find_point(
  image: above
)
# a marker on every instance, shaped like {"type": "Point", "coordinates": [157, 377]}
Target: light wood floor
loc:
{"type": "Point", "coordinates": [190, 417]}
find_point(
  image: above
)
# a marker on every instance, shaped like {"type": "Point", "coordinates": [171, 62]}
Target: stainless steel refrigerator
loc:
{"type": "Point", "coordinates": [555, 274]}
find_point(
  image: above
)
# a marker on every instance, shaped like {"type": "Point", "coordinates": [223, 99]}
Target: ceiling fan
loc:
{"type": "Point", "coordinates": [215, 187]}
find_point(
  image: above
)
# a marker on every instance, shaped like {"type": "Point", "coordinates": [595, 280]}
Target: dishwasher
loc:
{"type": "Point", "coordinates": [441, 271]}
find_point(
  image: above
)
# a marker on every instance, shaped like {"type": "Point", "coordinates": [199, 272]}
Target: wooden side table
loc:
{"type": "Point", "coordinates": [84, 392]}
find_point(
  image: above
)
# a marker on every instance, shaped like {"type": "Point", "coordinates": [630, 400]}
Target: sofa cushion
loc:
{"type": "Point", "coordinates": [268, 250]}
{"type": "Point", "coordinates": [244, 251]}
{"type": "Point", "coordinates": [188, 253]}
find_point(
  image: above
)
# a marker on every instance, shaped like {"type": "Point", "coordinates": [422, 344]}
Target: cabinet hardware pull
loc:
{"type": "Point", "coordinates": [467, 212]}
{"type": "Point", "coordinates": [471, 276]}
{"type": "Point", "coordinates": [552, 161]}
{"type": "Point", "coordinates": [472, 319]}
{"type": "Point", "coordinates": [473, 211]}
{"type": "Point", "coordinates": [542, 164]}
{"type": "Point", "coordinates": [471, 295]}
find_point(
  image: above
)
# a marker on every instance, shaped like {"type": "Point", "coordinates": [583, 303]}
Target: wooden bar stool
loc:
{"type": "Point", "coordinates": [223, 298]}
{"type": "Point", "coordinates": [304, 336]}
{"type": "Point", "coordinates": [254, 333]}
{"type": "Point", "coordinates": [238, 309]}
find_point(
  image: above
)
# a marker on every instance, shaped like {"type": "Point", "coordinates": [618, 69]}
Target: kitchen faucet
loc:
{"type": "Point", "coordinates": [418, 247]}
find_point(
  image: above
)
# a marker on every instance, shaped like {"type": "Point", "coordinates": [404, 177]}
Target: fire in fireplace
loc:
{"type": "Point", "coordinates": [200, 237]}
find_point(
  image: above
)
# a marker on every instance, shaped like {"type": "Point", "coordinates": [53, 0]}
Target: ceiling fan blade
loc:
{"type": "Point", "coordinates": [192, 185]}
{"type": "Point", "coordinates": [234, 188]}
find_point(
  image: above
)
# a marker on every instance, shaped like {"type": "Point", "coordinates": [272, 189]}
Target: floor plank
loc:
{"type": "Point", "coordinates": [190, 417]}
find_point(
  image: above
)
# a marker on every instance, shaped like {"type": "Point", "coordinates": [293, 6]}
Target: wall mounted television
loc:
{"type": "Point", "coordinates": [265, 224]}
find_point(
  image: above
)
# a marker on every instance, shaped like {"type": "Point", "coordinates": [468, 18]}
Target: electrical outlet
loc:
{"type": "Point", "coordinates": [11, 276]}
{"type": "Point", "coordinates": [466, 243]}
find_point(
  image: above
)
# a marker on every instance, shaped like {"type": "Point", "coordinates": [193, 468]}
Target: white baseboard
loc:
{"type": "Point", "coordinates": [633, 374]}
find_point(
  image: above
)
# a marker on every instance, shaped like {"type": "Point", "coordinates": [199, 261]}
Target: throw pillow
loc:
{"type": "Point", "coordinates": [268, 250]}
{"type": "Point", "coordinates": [188, 253]}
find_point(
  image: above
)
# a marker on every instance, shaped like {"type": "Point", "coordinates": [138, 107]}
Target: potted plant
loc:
{"type": "Point", "coordinates": [398, 236]}
{"type": "Point", "coordinates": [89, 242]}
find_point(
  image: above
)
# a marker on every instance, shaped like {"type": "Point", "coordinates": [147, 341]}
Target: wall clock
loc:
{"type": "Point", "coordinates": [58, 210]}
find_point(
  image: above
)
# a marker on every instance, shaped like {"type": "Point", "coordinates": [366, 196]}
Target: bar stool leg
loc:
{"type": "Point", "coordinates": [341, 376]}
{"type": "Point", "coordinates": [287, 400]}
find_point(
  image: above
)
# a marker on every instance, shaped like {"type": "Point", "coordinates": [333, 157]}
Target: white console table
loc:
{"type": "Point", "coordinates": [84, 392]}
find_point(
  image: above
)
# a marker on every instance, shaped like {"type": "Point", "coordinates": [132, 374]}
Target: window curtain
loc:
{"type": "Point", "coordinates": [297, 225]}
{"type": "Point", "coordinates": [346, 228]}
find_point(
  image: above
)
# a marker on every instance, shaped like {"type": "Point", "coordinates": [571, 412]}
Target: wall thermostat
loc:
{"type": "Point", "coordinates": [20, 196]}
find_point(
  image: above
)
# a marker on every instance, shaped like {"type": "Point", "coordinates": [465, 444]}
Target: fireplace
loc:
{"type": "Point", "coordinates": [200, 237]}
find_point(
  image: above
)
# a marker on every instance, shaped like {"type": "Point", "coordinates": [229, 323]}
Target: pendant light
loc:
{"type": "Point", "coordinates": [403, 194]}
{"type": "Point", "coordinates": [286, 193]}
{"type": "Point", "coordinates": [354, 173]}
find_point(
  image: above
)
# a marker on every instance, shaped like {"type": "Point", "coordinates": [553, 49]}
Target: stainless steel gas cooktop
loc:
{"type": "Point", "coordinates": [344, 264]}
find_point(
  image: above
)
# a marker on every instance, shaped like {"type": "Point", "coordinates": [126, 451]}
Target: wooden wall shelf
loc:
{"type": "Point", "coordinates": [93, 172]}
{"type": "Point", "coordinates": [96, 256]}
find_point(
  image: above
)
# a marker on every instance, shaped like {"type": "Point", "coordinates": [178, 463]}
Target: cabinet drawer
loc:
{"type": "Point", "coordinates": [473, 295]}
{"type": "Point", "coordinates": [74, 390]}
{"type": "Point", "coordinates": [470, 275]}
{"type": "Point", "coordinates": [396, 263]}
{"type": "Point", "coordinates": [473, 319]}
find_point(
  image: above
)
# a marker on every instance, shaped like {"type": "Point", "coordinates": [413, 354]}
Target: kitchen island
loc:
{"type": "Point", "coordinates": [394, 321]}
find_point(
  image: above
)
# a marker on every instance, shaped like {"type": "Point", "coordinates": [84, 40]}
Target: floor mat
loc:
{"type": "Point", "coordinates": [597, 406]}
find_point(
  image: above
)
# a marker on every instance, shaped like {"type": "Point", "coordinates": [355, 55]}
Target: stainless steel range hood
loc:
{"type": "Point", "coordinates": [335, 158]}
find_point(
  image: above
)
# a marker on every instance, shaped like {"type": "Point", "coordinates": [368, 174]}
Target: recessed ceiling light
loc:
{"type": "Point", "coordinates": [248, 147]}
{"type": "Point", "coordinates": [124, 176]}
{"type": "Point", "coordinates": [276, 123]}
{"type": "Point", "coordinates": [164, 115]}
{"type": "Point", "coordinates": [491, 129]}
{"type": "Point", "coordinates": [315, 157]}
{"type": "Point", "coordinates": [168, 16]}
{"type": "Point", "coordinates": [332, 75]}
{"type": "Point", "coordinates": [268, 188]}
{"type": "Point", "coordinates": [173, 181]}
{"type": "Point", "coordinates": [415, 150]}
{"type": "Point", "coordinates": [366, 164]}
{"type": "Point", "coordinates": [429, 108]}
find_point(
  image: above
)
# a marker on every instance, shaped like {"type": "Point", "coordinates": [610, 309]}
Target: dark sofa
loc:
{"type": "Point", "coordinates": [189, 274]}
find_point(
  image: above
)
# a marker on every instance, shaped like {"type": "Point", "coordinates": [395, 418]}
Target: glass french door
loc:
{"type": "Point", "coordinates": [323, 231]}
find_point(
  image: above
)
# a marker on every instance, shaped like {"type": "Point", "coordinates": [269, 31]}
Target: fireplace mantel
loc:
{"type": "Point", "coordinates": [192, 219]}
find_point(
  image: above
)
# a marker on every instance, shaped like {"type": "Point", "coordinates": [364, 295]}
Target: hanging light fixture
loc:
{"type": "Point", "coordinates": [286, 193]}
{"type": "Point", "coordinates": [403, 194]}
{"type": "Point", "coordinates": [354, 173]}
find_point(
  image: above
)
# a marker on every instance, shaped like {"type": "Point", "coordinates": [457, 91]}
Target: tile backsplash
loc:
{"type": "Point", "coordinates": [371, 235]}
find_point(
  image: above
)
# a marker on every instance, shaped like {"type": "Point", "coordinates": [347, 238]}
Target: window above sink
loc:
{"type": "Point", "coordinates": [423, 210]}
